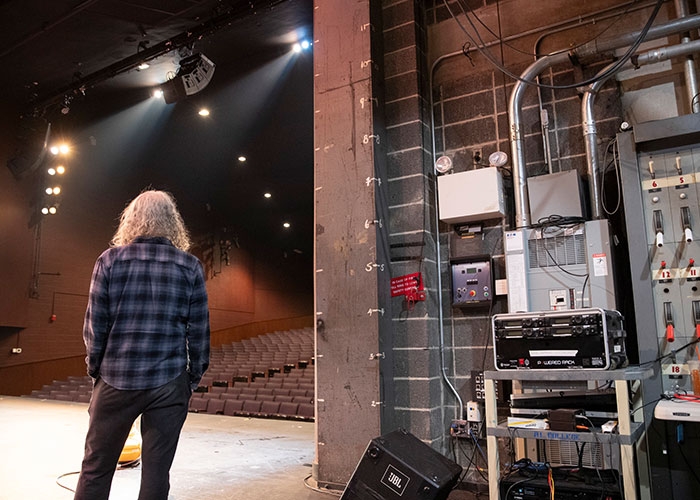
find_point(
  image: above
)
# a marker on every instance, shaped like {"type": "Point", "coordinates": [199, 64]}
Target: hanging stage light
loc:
{"type": "Point", "coordinates": [194, 74]}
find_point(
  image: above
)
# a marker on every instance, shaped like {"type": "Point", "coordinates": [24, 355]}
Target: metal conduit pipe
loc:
{"type": "Point", "coordinates": [517, 147]}
{"type": "Point", "coordinates": [522, 208]}
{"type": "Point", "coordinates": [590, 138]}
{"type": "Point", "coordinates": [590, 132]}
{"type": "Point", "coordinates": [691, 76]}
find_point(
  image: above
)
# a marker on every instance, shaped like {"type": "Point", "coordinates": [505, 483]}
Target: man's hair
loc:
{"type": "Point", "coordinates": [151, 214]}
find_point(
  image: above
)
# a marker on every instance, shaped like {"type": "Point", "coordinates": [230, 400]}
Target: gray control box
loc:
{"type": "Point", "coordinates": [471, 283]}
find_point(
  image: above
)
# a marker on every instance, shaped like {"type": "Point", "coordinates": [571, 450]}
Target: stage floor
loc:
{"type": "Point", "coordinates": [219, 457]}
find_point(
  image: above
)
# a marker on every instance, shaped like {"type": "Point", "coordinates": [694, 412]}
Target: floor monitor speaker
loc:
{"type": "Point", "coordinates": [400, 466]}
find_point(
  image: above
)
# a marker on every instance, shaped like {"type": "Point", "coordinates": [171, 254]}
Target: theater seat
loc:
{"type": "Point", "coordinates": [231, 406]}
{"type": "Point", "coordinates": [198, 405]}
{"type": "Point", "coordinates": [216, 406]}
{"type": "Point", "coordinates": [288, 410]}
{"type": "Point", "coordinates": [269, 408]}
{"type": "Point", "coordinates": [250, 408]}
{"type": "Point", "coordinates": [306, 411]}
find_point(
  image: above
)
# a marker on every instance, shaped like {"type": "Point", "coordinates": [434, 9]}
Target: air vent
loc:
{"type": "Point", "coordinates": [552, 251]}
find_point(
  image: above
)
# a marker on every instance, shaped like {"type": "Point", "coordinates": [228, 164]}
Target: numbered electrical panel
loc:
{"type": "Point", "coordinates": [472, 283]}
{"type": "Point", "coordinates": [669, 181]}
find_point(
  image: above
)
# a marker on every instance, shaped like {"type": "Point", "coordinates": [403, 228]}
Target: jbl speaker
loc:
{"type": "Point", "coordinates": [400, 466]}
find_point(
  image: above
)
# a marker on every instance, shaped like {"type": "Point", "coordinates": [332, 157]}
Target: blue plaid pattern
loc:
{"type": "Point", "coordinates": [147, 318]}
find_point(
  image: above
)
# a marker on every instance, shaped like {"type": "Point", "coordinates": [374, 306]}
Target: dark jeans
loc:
{"type": "Point", "coordinates": [112, 412]}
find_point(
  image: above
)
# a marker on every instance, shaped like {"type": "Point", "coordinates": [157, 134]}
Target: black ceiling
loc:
{"type": "Point", "coordinates": [84, 54]}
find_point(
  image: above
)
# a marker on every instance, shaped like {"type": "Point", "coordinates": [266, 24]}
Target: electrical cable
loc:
{"type": "Point", "coordinates": [670, 354]}
{"type": "Point", "coordinates": [321, 490]}
{"type": "Point", "coordinates": [58, 480]}
{"type": "Point", "coordinates": [606, 74]}
{"type": "Point", "coordinates": [615, 162]}
{"type": "Point", "coordinates": [123, 465]}
{"type": "Point", "coordinates": [617, 18]}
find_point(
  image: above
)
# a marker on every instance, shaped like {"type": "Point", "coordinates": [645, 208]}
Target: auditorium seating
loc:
{"type": "Point", "coordinates": [269, 376]}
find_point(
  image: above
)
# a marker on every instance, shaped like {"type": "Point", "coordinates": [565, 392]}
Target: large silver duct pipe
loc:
{"type": "Point", "coordinates": [691, 75]}
{"type": "Point", "coordinates": [522, 208]}
{"type": "Point", "coordinates": [590, 133]}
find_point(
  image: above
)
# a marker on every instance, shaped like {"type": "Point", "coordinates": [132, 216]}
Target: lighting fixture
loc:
{"type": "Point", "coordinates": [60, 170]}
{"type": "Point", "coordinates": [268, 195]}
{"type": "Point", "coordinates": [242, 159]}
{"type": "Point", "coordinates": [204, 112]}
{"type": "Point", "coordinates": [62, 148]}
{"type": "Point", "coordinates": [143, 66]}
{"type": "Point", "coordinates": [498, 159]}
{"type": "Point", "coordinates": [286, 225]}
{"type": "Point", "coordinates": [443, 164]}
{"type": "Point", "coordinates": [158, 93]}
{"type": "Point", "coordinates": [53, 190]}
{"type": "Point", "coordinates": [302, 45]}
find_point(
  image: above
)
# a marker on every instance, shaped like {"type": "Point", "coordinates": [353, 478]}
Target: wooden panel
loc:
{"type": "Point", "coordinates": [249, 330]}
{"type": "Point", "coordinates": [18, 380]}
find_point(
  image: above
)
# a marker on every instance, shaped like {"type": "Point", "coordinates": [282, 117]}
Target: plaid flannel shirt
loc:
{"type": "Point", "coordinates": [147, 318]}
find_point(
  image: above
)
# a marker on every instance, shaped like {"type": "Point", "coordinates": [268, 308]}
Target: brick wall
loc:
{"type": "Point", "coordinates": [470, 112]}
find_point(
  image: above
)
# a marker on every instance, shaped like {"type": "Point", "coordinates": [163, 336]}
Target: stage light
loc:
{"type": "Point", "coordinates": [53, 190]}
{"type": "Point", "coordinates": [299, 46]}
{"type": "Point", "coordinates": [268, 195]}
{"type": "Point", "coordinates": [45, 210]}
{"type": "Point", "coordinates": [158, 93]}
{"type": "Point", "coordinates": [242, 159]}
{"type": "Point", "coordinates": [63, 148]}
{"type": "Point", "coordinates": [60, 170]}
{"type": "Point", "coordinates": [143, 66]}
{"type": "Point", "coordinates": [286, 225]}
{"type": "Point", "coordinates": [52, 210]}
{"type": "Point", "coordinates": [204, 112]}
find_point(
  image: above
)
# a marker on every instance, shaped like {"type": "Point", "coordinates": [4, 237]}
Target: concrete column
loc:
{"type": "Point", "coordinates": [351, 265]}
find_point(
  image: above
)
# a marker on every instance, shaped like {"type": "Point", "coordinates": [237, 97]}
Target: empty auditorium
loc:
{"type": "Point", "coordinates": [353, 249]}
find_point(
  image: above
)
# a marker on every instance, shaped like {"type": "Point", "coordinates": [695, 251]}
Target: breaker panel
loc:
{"type": "Point", "coordinates": [669, 182]}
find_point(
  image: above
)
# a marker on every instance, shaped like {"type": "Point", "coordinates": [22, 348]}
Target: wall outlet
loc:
{"type": "Point", "coordinates": [477, 156]}
{"type": "Point", "coordinates": [16, 350]}
{"type": "Point", "coordinates": [473, 411]}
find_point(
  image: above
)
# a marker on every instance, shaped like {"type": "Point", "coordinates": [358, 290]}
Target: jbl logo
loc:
{"type": "Point", "coordinates": [395, 480]}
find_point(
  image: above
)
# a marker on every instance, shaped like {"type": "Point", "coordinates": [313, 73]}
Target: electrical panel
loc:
{"type": "Point", "coordinates": [560, 194]}
{"type": "Point", "coordinates": [555, 269]}
{"type": "Point", "coordinates": [472, 283]}
{"type": "Point", "coordinates": [672, 218]}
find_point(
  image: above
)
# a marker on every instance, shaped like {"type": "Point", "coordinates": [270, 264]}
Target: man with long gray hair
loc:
{"type": "Point", "coordinates": [146, 334]}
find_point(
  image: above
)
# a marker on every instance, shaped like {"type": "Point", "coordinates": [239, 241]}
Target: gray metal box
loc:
{"type": "Point", "coordinates": [556, 194]}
